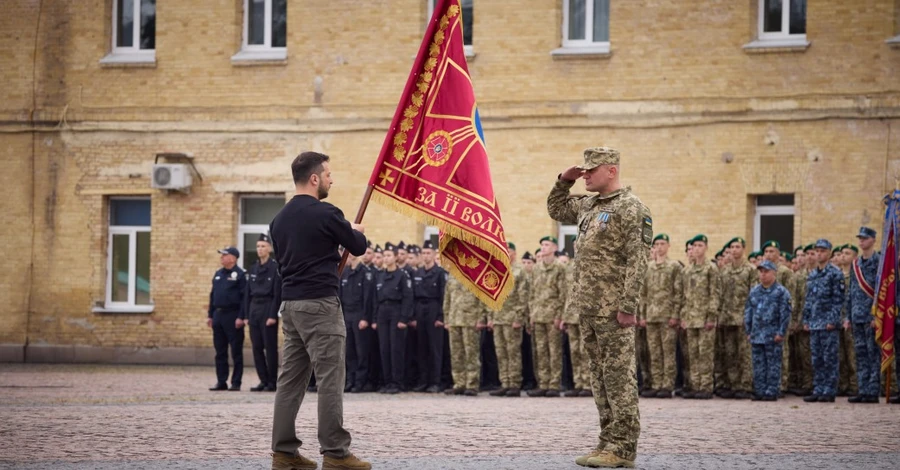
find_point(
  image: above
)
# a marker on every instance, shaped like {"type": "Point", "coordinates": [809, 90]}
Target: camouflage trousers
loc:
{"type": "Point", "coordinates": [661, 344]}
{"type": "Point", "coordinates": [786, 360]}
{"type": "Point", "coordinates": [508, 345]}
{"type": "Point", "coordinates": [610, 350]}
{"type": "Point", "coordinates": [847, 368]}
{"type": "Point", "coordinates": [735, 352]}
{"type": "Point", "coordinates": [868, 359]}
{"type": "Point", "coordinates": [465, 359]}
{"type": "Point", "coordinates": [547, 355]}
{"type": "Point", "coordinates": [824, 345]}
{"type": "Point", "coordinates": [767, 361]}
{"type": "Point", "coordinates": [701, 349]}
{"type": "Point", "coordinates": [685, 360]}
{"type": "Point", "coordinates": [642, 355]}
{"type": "Point", "coordinates": [581, 374]}
{"type": "Point", "coordinates": [801, 374]}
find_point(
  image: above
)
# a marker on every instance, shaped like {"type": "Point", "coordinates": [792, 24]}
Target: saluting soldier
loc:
{"type": "Point", "coordinates": [393, 313]}
{"type": "Point", "coordinates": [263, 299]}
{"type": "Point", "coordinates": [226, 317]}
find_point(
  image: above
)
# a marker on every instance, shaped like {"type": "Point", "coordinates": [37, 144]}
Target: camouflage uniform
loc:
{"type": "Point", "coordinates": [846, 354]}
{"type": "Point", "coordinates": [614, 234]}
{"type": "Point", "coordinates": [801, 364]}
{"type": "Point", "coordinates": [508, 340]}
{"type": "Point", "coordinates": [824, 300]}
{"type": "Point", "coordinates": [859, 308]}
{"type": "Point", "coordinates": [580, 371]}
{"type": "Point", "coordinates": [462, 311]}
{"type": "Point", "coordinates": [661, 300]}
{"type": "Point", "coordinates": [548, 299]}
{"type": "Point", "coordinates": [736, 284]}
{"type": "Point", "coordinates": [785, 277]}
{"type": "Point", "coordinates": [700, 285]}
{"type": "Point", "coordinates": [767, 313]}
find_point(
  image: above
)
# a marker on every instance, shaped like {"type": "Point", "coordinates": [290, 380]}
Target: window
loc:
{"type": "Point", "coordinates": [781, 23]}
{"type": "Point", "coordinates": [585, 27]}
{"type": "Point", "coordinates": [265, 31]}
{"type": "Point", "coordinates": [567, 235]}
{"type": "Point", "coordinates": [257, 213]}
{"type": "Point", "coordinates": [895, 41]}
{"type": "Point", "coordinates": [133, 31]}
{"type": "Point", "coordinates": [774, 220]}
{"type": "Point", "coordinates": [432, 233]}
{"type": "Point", "coordinates": [467, 23]}
{"type": "Point", "coordinates": [128, 258]}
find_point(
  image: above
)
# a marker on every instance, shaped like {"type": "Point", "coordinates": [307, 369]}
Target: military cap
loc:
{"type": "Point", "coordinates": [378, 249]}
{"type": "Point", "coordinates": [783, 253]}
{"type": "Point", "coordinates": [661, 236]}
{"type": "Point", "coordinates": [550, 239]}
{"type": "Point", "coordinates": [230, 250]}
{"type": "Point", "coordinates": [823, 243]}
{"type": "Point", "coordinates": [368, 243]}
{"type": "Point", "coordinates": [596, 156]}
{"type": "Point", "coordinates": [799, 248]}
{"type": "Point", "coordinates": [851, 247]}
{"type": "Point", "coordinates": [719, 253]}
{"type": "Point", "coordinates": [772, 243]}
{"type": "Point", "coordinates": [737, 239]}
{"type": "Point", "coordinates": [427, 245]}
{"type": "Point", "coordinates": [413, 249]}
{"type": "Point", "coordinates": [388, 246]}
{"type": "Point", "coordinates": [789, 257]}
{"type": "Point", "coordinates": [752, 255]}
{"type": "Point", "coordinates": [688, 243]}
{"type": "Point", "coordinates": [810, 247]}
{"type": "Point", "coordinates": [400, 246]}
{"type": "Point", "coordinates": [768, 265]}
{"type": "Point", "coordinates": [511, 245]}
{"type": "Point", "coordinates": [527, 255]}
{"type": "Point", "coordinates": [264, 237]}
{"type": "Point", "coordinates": [700, 238]}
{"type": "Point", "coordinates": [866, 232]}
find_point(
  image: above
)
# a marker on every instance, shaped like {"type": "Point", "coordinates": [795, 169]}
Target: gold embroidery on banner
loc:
{"type": "Point", "coordinates": [491, 281]}
{"type": "Point", "coordinates": [468, 261]}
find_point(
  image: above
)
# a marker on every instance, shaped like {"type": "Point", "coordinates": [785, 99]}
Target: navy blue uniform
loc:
{"type": "Point", "coordinates": [428, 288]}
{"type": "Point", "coordinates": [357, 294]}
{"type": "Point", "coordinates": [263, 299]}
{"type": "Point", "coordinates": [859, 311]}
{"type": "Point", "coordinates": [767, 313]}
{"type": "Point", "coordinates": [226, 304]}
{"type": "Point", "coordinates": [824, 301]}
{"type": "Point", "coordinates": [394, 304]}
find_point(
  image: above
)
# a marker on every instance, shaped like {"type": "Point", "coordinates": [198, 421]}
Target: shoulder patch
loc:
{"type": "Point", "coordinates": [647, 230]}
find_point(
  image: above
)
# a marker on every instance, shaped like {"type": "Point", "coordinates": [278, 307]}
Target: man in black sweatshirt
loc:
{"type": "Point", "coordinates": [305, 235]}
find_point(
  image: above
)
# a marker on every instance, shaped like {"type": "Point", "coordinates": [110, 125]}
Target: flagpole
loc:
{"type": "Point", "coordinates": [359, 216]}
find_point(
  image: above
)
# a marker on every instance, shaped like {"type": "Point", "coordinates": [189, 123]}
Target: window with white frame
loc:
{"type": "Point", "coordinates": [782, 20]}
{"type": "Point", "coordinates": [265, 30]}
{"type": "Point", "coordinates": [567, 236]}
{"type": "Point", "coordinates": [128, 258]}
{"type": "Point", "coordinates": [432, 233]}
{"type": "Point", "coordinates": [467, 21]}
{"type": "Point", "coordinates": [133, 32]}
{"type": "Point", "coordinates": [256, 214]}
{"type": "Point", "coordinates": [586, 24]}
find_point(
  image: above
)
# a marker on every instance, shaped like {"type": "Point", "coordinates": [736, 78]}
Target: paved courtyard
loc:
{"type": "Point", "coordinates": [116, 417]}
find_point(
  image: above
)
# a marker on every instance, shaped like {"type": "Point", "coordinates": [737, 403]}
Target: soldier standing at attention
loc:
{"type": "Point", "coordinates": [226, 317]}
{"type": "Point", "coordinates": [661, 294]}
{"type": "Point", "coordinates": [847, 355]}
{"type": "Point", "coordinates": [699, 310]}
{"type": "Point", "coordinates": [548, 299]}
{"type": "Point", "coordinates": [393, 313]}
{"type": "Point", "coordinates": [821, 317]}
{"type": "Point", "coordinates": [615, 232]}
{"type": "Point", "coordinates": [378, 258]}
{"type": "Point", "coordinates": [580, 373]}
{"type": "Point", "coordinates": [864, 271]}
{"type": "Point", "coordinates": [465, 316]}
{"type": "Point", "coordinates": [738, 277]}
{"type": "Point", "coordinates": [801, 364]}
{"type": "Point", "coordinates": [508, 324]}
{"type": "Point", "coordinates": [785, 277]}
{"type": "Point", "coordinates": [429, 282]}
{"type": "Point", "coordinates": [263, 299]}
{"type": "Point", "coordinates": [767, 312]}
{"type": "Point", "coordinates": [357, 293]}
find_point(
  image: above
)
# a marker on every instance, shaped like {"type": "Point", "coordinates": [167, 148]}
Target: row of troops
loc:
{"type": "Point", "coordinates": [818, 331]}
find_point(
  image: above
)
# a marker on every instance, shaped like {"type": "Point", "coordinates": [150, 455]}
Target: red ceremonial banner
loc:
{"type": "Point", "coordinates": [885, 307]}
{"type": "Point", "coordinates": [434, 166]}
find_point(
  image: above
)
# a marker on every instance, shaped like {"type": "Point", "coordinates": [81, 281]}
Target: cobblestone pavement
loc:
{"type": "Point", "coordinates": [113, 417]}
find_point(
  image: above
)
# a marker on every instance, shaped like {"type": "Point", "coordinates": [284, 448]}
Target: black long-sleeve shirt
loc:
{"type": "Point", "coordinates": [228, 286]}
{"type": "Point", "coordinates": [305, 236]}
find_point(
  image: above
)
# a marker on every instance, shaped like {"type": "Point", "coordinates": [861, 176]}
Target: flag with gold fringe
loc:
{"type": "Point", "coordinates": [885, 305]}
{"type": "Point", "coordinates": [434, 167]}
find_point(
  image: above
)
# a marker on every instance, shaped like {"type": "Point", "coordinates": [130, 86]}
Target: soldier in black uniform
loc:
{"type": "Point", "coordinates": [428, 286]}
{"type": "Point", "coordinates": [393, 313]}
{"type": "Point", "coordinates": [263, 299]}
{"type": "Point", "coordinates": [405, 253]}
{"type": "Point", "coordinates": [357, 294]}
{"type": "Point", "coordinates": [226, 317]}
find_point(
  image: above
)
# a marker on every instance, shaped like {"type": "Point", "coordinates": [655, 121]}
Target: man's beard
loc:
{"type": "Point", "coordinates": [322, 192]}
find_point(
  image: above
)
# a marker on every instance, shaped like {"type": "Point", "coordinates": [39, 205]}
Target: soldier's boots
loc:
{"type": "Point", "coordinates": [499, 393]}
{"type": "Point", "coordinates": [649, 393]}
{"type": "Point", "coordinates": [703, 396]}
{"type": "Point", "coordinates": [895, 400]}
{"type": "Point", "coordinates": [454, 391]}
{"type": "Point", "coordinates": [537, 392]}
{"type": "Point", "coordinates": [727, 394]}
{"type": "Point", "coordinates": [826, 399]}
{"type": "Point", "coordinates": [282, 461]}
{"type": "Point", "coordinates": [664, 393]}
{"type": "Point", "coordinates": [863, 399]}
{"type": "Point", "coordinates": [514, 392]}
{"type": "Point", "coordinates": [609, 460]}
{"type": "Point", "coordinates": [811, 398]}
{"type": "Point", "coordinates": [572, 393]}
{"type": "Point", "coordinates": [687, 395]}
{"type": "Point", "coordinates": [349, 462]}
{"type": "Point", "coordinates": [582, 460]}
{"type": "Point", "coordinates": [741, 395]}
{"type": "Point", "coordinates": [470, 393]}
{"type": "Point", "coordinates": [420, 388]}
{"type": "Point", "coordinates": [586, 393]}
{"type": "Point", "coordinates": [433, 389]}
{"type": "Point", "coordinates": [552, 393]}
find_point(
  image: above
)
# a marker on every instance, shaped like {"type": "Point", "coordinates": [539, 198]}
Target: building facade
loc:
{"type": "Point", "coordinates": [758, 118]}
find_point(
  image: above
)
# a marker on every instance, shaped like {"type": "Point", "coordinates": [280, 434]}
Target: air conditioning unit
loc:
{"type": "Point", "coordinates": [175, 176]}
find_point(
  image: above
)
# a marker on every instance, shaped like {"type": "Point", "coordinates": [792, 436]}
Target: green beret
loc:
{"type": "Point", "coordinates": [773, 243]}
{"type": "Point", "coordinates": [720, 253]}
{"type": "Point", "coordinates": [799, 248]}
{"type": "Point", "coordinates": [551, 239]}
{"type": "Point", "coordinates": [809, 247]}
{"type": "Point", "coordinates": [789, 257]}
{"type": "Point", "coordinates": [752, 255]}
{"type": "Point", "coordinates": [737, 239]}
{"type": "Point", "coordinates": [700, 238]}
{"type": "Point", "coordinates": [851, 247]}
{"type": "Point", "coordinates": [783, 253]}
{"type": "Point", "coordinates": [661, 236]}
{"type": "Point", "coordinates": [511, 245]}
{"type": "Point", "coordinates": [836, 249]}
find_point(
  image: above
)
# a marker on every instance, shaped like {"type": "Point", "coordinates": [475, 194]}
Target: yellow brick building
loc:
{"type": "Point", "coordinates": [712, 103]}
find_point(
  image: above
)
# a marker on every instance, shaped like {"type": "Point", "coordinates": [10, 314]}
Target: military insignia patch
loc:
{"type": "Point", "coordinates": [603, 217]}
{"type": "Point", "coordinates": [647, 231]}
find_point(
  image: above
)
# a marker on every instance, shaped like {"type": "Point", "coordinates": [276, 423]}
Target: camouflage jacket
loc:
{"type": "Point", "coordinates": [859, 304]}
{"type": "Point", "coordinates": [570, 315]}
{"type": "Point", "coordinates": [614, 235]}
{"type": "Point", "coordinates": [736, 284]}
{"type": "Point", "coordinates": [700, 285]}
{"type": "Point", "coordinates": [661, 293]}
{"type": "Point", "coordinates": [516, 307]}
{"type": "Point", "coordinates": [548, 292]}
{"type": "Point", "coordinates": [767, 313]}
{"type": "Point", "coordinates": [785, 277]}
{"type": "Point", "coordinates": [798, 297]}
{"type": "Point", "coordinates": [461, 307]}
{"type": "Point", "coordinates": [824, 298]}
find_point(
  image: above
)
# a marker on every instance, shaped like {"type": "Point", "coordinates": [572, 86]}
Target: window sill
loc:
{"type": "Point", "coordinates": [894, 42]}
{"type": "Point", "coordinates": [269, 57]}
{"type": "Point", "coordinates": [763, 46]}
{"type": "Point", "coordinates": [124, 309]}
{"type": "Point", "coordinates": [129, 59]}
{"type": "Point", "coordinates": [582, 52]}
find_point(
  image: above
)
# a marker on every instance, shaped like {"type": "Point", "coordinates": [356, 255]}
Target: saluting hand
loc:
{"type": "Point", "coordinates": [571, 174]}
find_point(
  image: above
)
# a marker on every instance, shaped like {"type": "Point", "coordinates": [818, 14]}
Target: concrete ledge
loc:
{"type": "Point", "coordinates": [12, 352]}
{"type": "Point", "coordinates": [46, 353]}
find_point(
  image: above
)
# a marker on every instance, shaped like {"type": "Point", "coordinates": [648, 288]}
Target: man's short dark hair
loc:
{"type": "Point", "coordinates": [307, 164]}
